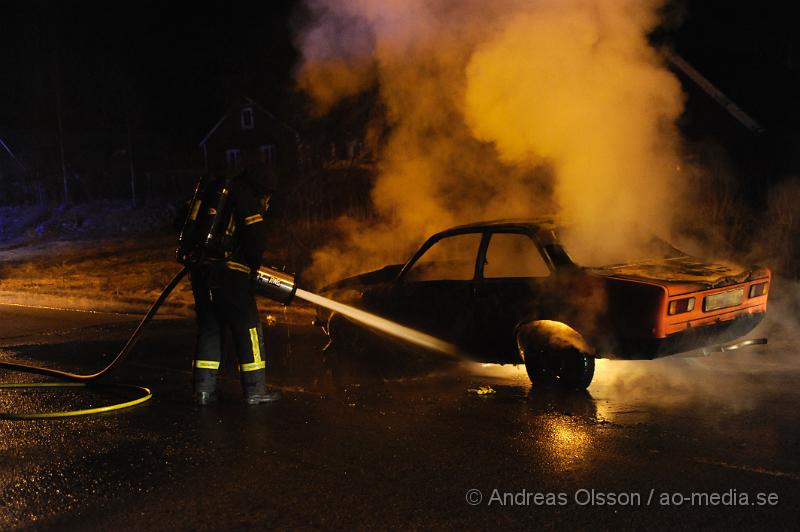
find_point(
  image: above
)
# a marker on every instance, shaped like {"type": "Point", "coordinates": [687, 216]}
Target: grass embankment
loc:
{"type": "Point", "coordinates": [118, 275]}
{"type": "Point", "coordinates": [64, 265]}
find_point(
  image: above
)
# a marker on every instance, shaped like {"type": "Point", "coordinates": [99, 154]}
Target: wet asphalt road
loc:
{"type": "Point", "coordinates": [357, 451]}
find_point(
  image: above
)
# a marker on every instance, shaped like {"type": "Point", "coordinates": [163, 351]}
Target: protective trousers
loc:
{"type": "Point", "coordinates": [224, 300]}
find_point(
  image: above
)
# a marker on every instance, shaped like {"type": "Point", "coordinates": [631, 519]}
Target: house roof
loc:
{"type": "Point", "coordinates": [246, 102]}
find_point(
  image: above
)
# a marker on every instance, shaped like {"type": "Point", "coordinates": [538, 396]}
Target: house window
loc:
{"type": "Point", "coordinates": [247, 118]}
{"type": "Point", "coordinates": [267, 153]}
{"type": "Point", "coordinates": [234, 158]}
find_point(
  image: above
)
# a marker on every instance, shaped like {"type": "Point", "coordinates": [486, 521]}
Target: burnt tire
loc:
{"type": "Point", "coordinates": [576, 370]}
{"type": "Point", "coordinates": [536, 365]}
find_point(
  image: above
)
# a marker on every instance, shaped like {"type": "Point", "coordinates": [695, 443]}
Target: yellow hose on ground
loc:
{"type": "Point", "coordinates": [81, 412]}
{"type": "Point", "coordinates": [87, 380]}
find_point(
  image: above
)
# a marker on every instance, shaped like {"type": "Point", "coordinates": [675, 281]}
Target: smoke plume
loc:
{"type": "Point", "coordinates": [512, 108]}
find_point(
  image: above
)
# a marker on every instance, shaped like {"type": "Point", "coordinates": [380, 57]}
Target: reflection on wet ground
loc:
{"type": "Point", "coordinates": [353, 449]}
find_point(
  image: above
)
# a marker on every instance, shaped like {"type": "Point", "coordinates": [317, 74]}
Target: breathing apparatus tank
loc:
{"type": "Point", "coordinates": [189, 224]}
{"type": "Point", "coordinates": [202, 235]}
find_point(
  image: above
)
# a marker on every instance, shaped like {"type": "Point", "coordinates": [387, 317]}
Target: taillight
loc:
{"type": "Point", "coordinates": [679, 306]}
{"type": "Point", "coordinates": [758, 290]}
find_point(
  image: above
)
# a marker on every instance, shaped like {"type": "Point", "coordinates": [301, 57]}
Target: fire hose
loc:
{"type": "Point", "coordinates": [275, 284]}
{"type": "Point", "coordinates": [76, 380]}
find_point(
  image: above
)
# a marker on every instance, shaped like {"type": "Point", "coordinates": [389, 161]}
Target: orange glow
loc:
{"type": "Point", "coordinates": [568, 443]}
{"type": "Point", "coordinates": [501, 109]}
{"type": "Point", "coordinates": [583, 90]}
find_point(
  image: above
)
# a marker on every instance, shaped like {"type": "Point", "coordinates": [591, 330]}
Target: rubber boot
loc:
{"type": "Point", "coordinates": [254, 385]}
{"type": "Point", "coordinates": [205, 386]}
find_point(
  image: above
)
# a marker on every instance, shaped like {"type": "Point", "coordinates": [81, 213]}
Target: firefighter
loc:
{"type": "Point", "coordinates": [223, 293]}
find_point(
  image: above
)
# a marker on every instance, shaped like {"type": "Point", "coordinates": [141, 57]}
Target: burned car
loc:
{"type": "Point", "coordinates": [508, 292]}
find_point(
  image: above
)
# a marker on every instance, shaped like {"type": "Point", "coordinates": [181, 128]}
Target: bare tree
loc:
{"type": "Point", "coordinates": [57, 80]}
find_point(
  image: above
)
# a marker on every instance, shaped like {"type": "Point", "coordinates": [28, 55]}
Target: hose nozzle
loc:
{"type": "Point", "coordinates": [275, 284]}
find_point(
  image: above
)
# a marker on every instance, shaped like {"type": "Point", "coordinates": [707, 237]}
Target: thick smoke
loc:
{"type": "Point", "coordinates": [501, 109]}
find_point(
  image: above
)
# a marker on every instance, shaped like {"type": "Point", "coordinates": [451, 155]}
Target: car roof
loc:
{"type": "Point", "coordinates": [544, 223]}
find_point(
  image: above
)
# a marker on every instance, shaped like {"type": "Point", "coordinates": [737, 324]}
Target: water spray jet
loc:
{"type": "Point", "coordinates": [382, 324]}
{"type": "Point", "coordinates": [282, 287]}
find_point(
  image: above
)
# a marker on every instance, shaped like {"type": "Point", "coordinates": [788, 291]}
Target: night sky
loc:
{"type": "Point", "coordinates": [749, 51]}
{"type": "Point", "coordinates": [172, 68]}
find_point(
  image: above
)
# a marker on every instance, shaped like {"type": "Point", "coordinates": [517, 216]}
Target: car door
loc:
{"type": "Point", "coordinates": [510, 287]}
{"type": "Point", "coordinates": [434, 291]}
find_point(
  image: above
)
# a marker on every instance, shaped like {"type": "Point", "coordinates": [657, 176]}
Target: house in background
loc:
{"type": "Point", "coordinates": [248, 132]}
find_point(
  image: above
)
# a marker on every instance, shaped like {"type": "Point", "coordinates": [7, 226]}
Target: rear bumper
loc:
{"type": "Point", "coordinates": [689, 339]}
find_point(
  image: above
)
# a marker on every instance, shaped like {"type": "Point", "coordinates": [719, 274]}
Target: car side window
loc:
{"type": "Point", "coordinates": [513, 255]}
{"type": "Point", "coordinates": [450, 259]}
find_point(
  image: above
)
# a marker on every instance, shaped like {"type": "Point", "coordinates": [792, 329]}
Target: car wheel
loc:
{"type": "Point", "coordinates": [536, 365]}
{"type": "Point", "coordinates": [576, 370]}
